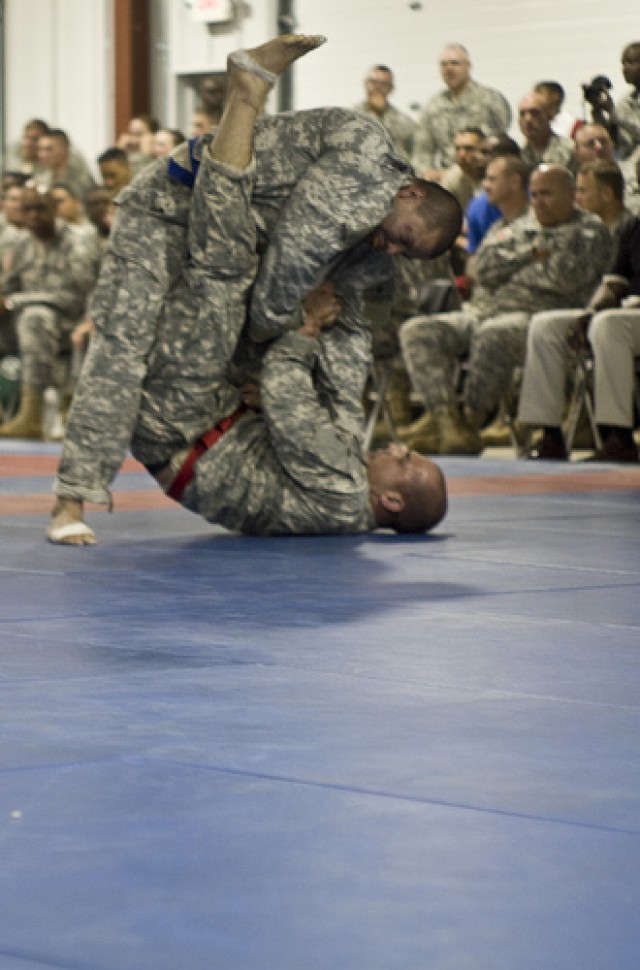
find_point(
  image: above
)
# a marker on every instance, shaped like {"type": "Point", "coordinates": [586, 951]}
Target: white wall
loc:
{"type": "Point", "coordinates": [189, 48]}
{"type": "Point", "coordinates": [513, 44]}
{"type": "Point", "coordinates": [58, 52]}
{"type": "Point", "coordinates": [58, 67]}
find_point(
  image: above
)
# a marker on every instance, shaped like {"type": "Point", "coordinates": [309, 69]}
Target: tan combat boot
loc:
{"type": "Point", "coordinates": [395, 416]}
{"type": "Point", "coordinates": [28, 421]}
{"type": "Point", "coordinates": [399, 405]}
{"type": "Point", "coordinates": [497, 434]}
{"type": "Point", "coordinates": [458, 436]}
{"type": "Point", "coordinates": [423, 435]}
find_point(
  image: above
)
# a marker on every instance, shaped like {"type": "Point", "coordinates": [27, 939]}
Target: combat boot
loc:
{"type": "Point", "coordinates": [28, 421]}
{"type": "Point", "coordinates": [399, 406]}
{"type": "Point", "coordinates": [496, 434]}
{"type": "Point", "coordinates": [458, 435]}
{"type": "Point", "coordinates": [423, 435]}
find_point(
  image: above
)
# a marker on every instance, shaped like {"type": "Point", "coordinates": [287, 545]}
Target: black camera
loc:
{"type": "Point", "coordinates": [595, 88]}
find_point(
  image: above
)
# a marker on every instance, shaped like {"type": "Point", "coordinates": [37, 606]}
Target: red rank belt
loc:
{"type": "Point", "coordinates": [204, 443]}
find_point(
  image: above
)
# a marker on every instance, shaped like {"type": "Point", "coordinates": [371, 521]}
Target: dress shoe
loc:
{"type": "Point", "coordinates": [550, 448]}
{"type": "Point", "coordinates": [617, 451]}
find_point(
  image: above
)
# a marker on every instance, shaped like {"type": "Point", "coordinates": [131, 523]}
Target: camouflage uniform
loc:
{"type": "Point", "coordinates": [445, 114]}
{"type": "Point", "coordinates": [491, 328]}
{"type": "Point", "coordinates": [630, 169]}
{"type": "Point", "coordinates": [48, 286]}
{"type": "Point", "coordinates": [400, 126]}
{"type": "Point", "coordinates": [627, 118]}
{"type": "Point", "coordinates": [10, 236]}
{"type": "Point", "coordinates": [76, 175]}
{"type": "Point", "coordinates": [297, 467]}
{"type": "Point", "coordinates": [542, 398]}
{"type": "Point", "coordinates": [559, 151]}
{"type": "Point", "coordinates": [323, 180]}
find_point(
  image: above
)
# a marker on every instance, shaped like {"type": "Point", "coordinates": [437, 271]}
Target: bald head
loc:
{"type": "Point", "coordinates": [552, 194]}
{"type": "Point", "coordinates": [408, 491]}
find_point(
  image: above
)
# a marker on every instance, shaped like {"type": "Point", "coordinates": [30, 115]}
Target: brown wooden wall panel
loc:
{"type": "Point", "coordinates": [131, 60]}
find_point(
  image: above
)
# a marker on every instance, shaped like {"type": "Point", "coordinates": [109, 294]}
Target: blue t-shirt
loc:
{"type": "Point", "coordinates": [480, 217]}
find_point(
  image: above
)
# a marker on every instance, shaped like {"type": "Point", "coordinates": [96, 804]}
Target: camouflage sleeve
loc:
{"type": "Point", "coordinates": [627, 118]}
{"type": "Point", "coordinates": [339, 199]}
{"type": "Point", "coordinates": [505, 250]}
{"type": "Point", "coordinates": [305, 436]}
{"type": "Point", "coordinates": [343, 366]}
{"type": "Point", "coordinates": [10, 278]}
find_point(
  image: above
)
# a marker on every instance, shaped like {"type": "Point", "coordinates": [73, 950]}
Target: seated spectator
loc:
{"type": "Point", "coordinates": [70, 208]}
{"type": "Point", "coordinates": [506, 179]}
{"type": "Point", "coordinates": [23, 157]}
{"type": "Point", "coordinates": [614, 335]}
{"type": "Point", "coordinates": [622, 120]}
{"type": "Point", "coordinates": [563, 123]}
{"type": "Point", "coordinates": [101, 211]}
{"type": "Point", "coordinates": [463, 102]}
{"type": "Point", "coordinates": [46, 290]}
{"type": "Point", "coordinates": [11, 223]}
{"type": "Point", "coordinates": [378, 86]}
{"type": "Point", "coordinates": [481, 213]}
{"type": "Point", "coordinates": [211, 90]}
{"type": "Point", "coordinates": [115, 170]}
{"type": "Point", "coordinates": [541, 142]}
{"type": "Point", "coordinates": [600, 190]}
{"type": "Point", "coordinates": [61, 164]}
{"type": "Point", "coordinates": [165, 140]}
{"type": "Point", "coordinates": [547, 258]}
{"type": "Point", "coordinates": [463, 179]}
{"type": "Point", "coordinates": [137, 140]}
{"type": "Point", "coordinates": [591, 142]}
{"type": "Point", "coordinates": [202, 121]}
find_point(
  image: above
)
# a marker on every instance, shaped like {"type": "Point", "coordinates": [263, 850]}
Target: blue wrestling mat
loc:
{"type": "Point", "coordinates": [376, 753]}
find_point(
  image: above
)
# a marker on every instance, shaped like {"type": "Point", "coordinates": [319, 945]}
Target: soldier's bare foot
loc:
{"type": "Point", "coordinates": [257, 69]}
{"type": "Point", "coordinates": [67, 526]}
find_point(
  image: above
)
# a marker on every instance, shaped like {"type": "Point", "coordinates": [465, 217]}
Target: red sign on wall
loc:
{"type": "Point", "coordinates": [212, 11]}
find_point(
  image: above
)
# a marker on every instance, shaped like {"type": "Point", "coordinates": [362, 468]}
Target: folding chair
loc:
{"type": "Point", "coordinates": [582, 400]}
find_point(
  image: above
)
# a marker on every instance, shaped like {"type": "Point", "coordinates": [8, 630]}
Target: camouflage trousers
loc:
{"type": "Point", "coordinates": [43, 334]}
{"type": "Point", "coordinates": [434, 347]}
{"type": "Point", "coordinates": [187, 389]}
{"type": "Point", "coordinates": [165, 376]}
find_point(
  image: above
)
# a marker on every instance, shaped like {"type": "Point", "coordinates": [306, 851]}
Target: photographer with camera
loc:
{"type": "Point", "coordinates": [622, 120]}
